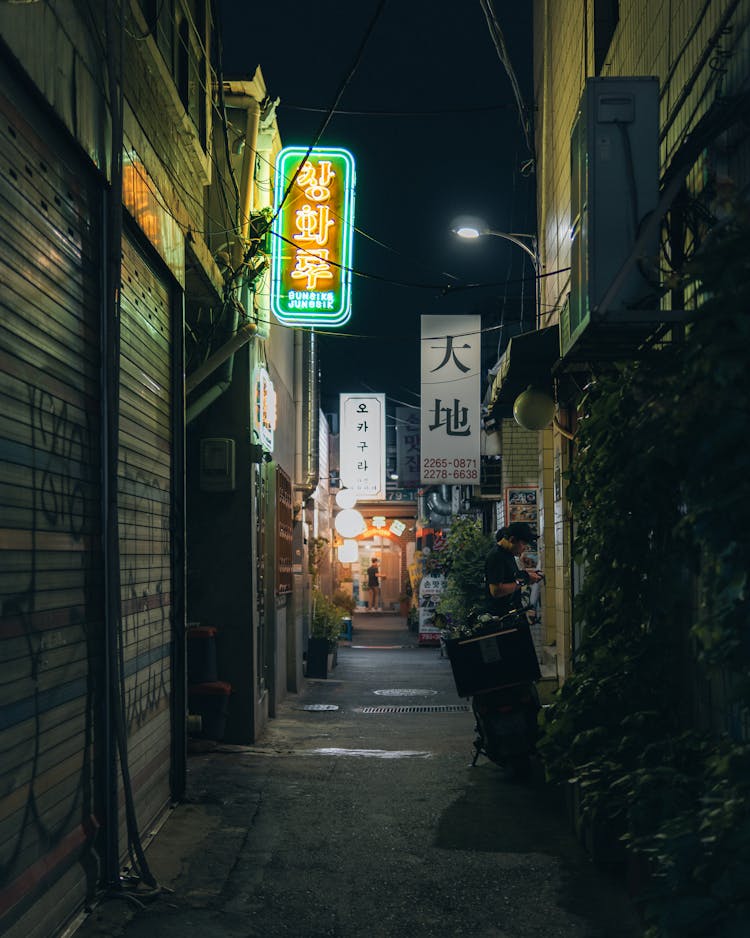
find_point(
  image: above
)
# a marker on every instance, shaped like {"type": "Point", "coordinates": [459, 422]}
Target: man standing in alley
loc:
{"type": "Point", "coordinates": [501, 570]}
{"type": "Point", "coordinates": [373, 584]}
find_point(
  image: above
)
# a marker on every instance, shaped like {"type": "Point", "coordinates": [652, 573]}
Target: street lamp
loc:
{"type": "Point", "coordinates": [474, 228]}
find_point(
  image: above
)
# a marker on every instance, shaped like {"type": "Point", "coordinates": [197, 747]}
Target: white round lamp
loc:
{"type": "Point", "coordinates": [349, 523]}
{"type": "Point", "coordinates": [348, 552]}
{"type": "Point", "coordinates": [346, 498]}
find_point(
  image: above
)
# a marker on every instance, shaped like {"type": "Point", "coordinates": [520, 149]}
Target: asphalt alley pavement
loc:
{"type": "Point", "coordinates": [359, 815]}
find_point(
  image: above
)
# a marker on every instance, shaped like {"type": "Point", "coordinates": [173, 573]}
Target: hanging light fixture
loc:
{"type": "Point", "coordinates": [533, 409]}
{"type": "Point", "coordinates": [348, 552]}
{"type": "Point", "coordinates": [346, 498]}
{"type": "Point", "coordinates": [349, 523]}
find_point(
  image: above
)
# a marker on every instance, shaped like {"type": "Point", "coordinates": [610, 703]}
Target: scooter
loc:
{"type": "Point", "coordinates": [506, 727]}
{"type": "Point", "coordinates": [495, 664]}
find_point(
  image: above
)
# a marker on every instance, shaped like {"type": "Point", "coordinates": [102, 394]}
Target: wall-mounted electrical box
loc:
{"type": "Point", "coordinates": [217, 465]}
{"type": "Point", "coordinates": [614, 186]}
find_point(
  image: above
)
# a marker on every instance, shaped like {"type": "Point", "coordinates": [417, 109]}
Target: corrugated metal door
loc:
{"type": "Point", "coordinates": [144, 517]}
{"type": "Point", "coordinates": [50, 508]}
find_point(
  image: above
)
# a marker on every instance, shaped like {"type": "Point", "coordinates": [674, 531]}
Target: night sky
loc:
{"type": "Point", "coordinates": [417, 170]}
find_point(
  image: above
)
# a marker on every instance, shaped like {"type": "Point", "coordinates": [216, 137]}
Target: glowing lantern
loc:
{"type": "Point", "coordinates": [349, 523]}
{"type": "Point", "coordinates": [533, 409]}
{"type": "Point", "coordinates": [346, 498]}
{"type": "Point", "coordinates": [348, 552]}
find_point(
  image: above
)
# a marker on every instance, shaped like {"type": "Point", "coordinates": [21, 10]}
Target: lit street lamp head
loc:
{"type": "Point", "coordinates": [467, 232]}
{"type": "Point", "coordinates": [472, 228]}
{"type": "Point", "coordinates": [468, 226]}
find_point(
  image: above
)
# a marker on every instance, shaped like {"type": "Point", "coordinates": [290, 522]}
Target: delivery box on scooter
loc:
{"type": "Point", "coordinates": [496, 657]}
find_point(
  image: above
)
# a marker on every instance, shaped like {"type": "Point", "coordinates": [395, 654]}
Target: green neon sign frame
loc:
{"type": "Point", "coordinates": [311, 251]}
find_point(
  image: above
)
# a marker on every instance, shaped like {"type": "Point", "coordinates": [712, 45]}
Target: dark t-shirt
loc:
{"type": "Point", "coordinates": [500, 567]}
{"type": "Point", "coordinates": [372, 577]}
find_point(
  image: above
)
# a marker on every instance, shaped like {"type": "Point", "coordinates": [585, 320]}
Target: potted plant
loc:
{"type": "Point", "coordinates": [405, 599]}
{"type": "Point", "coordinates": [324, 633]}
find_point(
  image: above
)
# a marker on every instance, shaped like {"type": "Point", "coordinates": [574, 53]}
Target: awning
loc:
{"type": "Point", "coordinates": [527, 360]}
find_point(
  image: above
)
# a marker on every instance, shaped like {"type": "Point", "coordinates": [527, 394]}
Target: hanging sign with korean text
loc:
{"type": "Point", "coordinates": [451, 424]}
{"type": "Point", "coordinates": [362, 445]}
{"type": "Point", "coordinates": [311, 254]}
{"type": "Point", "coordinates": [264, 411]}
{"type": "Point", "coordinates": [407, 446]}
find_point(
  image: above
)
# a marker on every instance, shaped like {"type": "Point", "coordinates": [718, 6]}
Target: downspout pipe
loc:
{"type": "Point", "coordinates": [306, 408]}
{"type": "Point", "coordinates": [242, 336]}
{"type": "Point", "coordinates": [247, 174]}
{"type": "Point", "coordinates": [439, 506]}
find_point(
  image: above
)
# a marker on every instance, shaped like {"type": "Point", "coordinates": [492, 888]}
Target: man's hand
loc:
{"type": "Point", "coordinates": [529, 576]}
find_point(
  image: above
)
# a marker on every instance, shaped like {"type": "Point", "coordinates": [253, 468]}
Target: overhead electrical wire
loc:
{"type": "Point", "coordinates": [444, 288]}
{"type": "Point", "coordinates": [436, 112]}
{"type": "Point", "coordinates": [372, 238]}
{"type": "Point", "coordinates": [332, 109]}
{"type": "Point", "coordinates": [502, 50]}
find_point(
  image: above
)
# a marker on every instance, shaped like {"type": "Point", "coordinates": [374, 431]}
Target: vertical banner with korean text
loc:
{"type": "Point", "coordinates": [451, 400]}
{"type": "Point", "coordinates": [407, 446]}
{"type": "Point", "coordinates": [362, 445]}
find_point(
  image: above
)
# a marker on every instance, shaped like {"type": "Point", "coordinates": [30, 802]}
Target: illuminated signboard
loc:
{"type": "Point", "coordinates": [451, 400]}
{"type": "Point", "coordinates": [312, 237]}
{"type": "Point", "coordinates": [265, 408]}
{"type": "Point", "coordinates": [362, 445]}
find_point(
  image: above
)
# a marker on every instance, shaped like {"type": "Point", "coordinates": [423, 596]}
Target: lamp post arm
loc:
{"type": "Point", "coordinates": [516, 239]}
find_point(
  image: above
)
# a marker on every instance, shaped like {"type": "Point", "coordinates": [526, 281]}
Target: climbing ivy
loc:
{"type": "Point", "coordinates": [659, 488]}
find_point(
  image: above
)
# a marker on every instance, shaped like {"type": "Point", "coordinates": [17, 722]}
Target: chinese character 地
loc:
{"type": "Point", "coordinates": [454, 418]}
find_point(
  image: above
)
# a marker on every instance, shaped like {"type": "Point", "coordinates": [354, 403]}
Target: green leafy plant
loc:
{"type": "Point", "coordinates": [316, 555]}
{"type": "Point", "coordinates": [345, 602]}
{"type": "Point", "coordinates": [326, 618]}
{"type": "Point", "coordinates": [659, 488]}
{"type": "Point", "coordinates": [462, 559]}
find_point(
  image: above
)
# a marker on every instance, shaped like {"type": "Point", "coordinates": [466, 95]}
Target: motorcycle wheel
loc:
{"type": "Point", "coordinates": [518, 769]}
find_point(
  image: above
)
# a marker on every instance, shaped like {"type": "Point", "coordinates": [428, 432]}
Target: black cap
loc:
{"type": "Point", "coordinates": [520, 531]}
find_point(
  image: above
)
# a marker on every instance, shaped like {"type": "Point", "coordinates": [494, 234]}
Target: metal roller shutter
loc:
{"type": "Point", "coordinates": [50, 509]}
{"type": "Point", "coordinates": [144, 517]}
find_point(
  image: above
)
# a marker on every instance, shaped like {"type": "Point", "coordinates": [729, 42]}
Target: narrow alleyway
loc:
{"type": "Point", "coordinates": [368, 820]}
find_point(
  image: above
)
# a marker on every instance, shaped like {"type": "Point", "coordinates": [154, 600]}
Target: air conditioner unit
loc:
{"type": "Point", "coordinates": [614, 186]}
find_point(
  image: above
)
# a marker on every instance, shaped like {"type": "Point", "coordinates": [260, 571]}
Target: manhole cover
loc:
{"type": "Point", "coordinates": [320, 707]}
{"type": "Point", "coordinates": [405, 692]}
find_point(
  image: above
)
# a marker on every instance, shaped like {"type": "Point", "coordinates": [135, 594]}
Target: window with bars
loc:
{"type": "Point", "coordinates": [491, 475]}
{"type": "Point", "coordinates": [284, 528]}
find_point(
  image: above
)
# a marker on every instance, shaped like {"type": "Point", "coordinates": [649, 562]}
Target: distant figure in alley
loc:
{"type": "Point", "coordinates": [373, 584]}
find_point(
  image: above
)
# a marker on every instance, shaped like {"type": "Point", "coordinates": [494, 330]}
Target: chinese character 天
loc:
{"type": "Point", "coordinates": [450, 354]}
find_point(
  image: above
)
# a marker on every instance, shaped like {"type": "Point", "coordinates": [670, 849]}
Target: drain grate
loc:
{"type": "Point", "coordinates": [446, 708]}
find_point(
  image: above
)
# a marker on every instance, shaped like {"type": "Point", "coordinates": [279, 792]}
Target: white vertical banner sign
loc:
{"type": "Point", "coordinates": [362, 445]}
{"type": "Point", "coordinates": [451, 399]}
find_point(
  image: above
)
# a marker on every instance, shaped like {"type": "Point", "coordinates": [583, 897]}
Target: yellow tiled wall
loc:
{"type": "Point", "coordinates": [679, 41]}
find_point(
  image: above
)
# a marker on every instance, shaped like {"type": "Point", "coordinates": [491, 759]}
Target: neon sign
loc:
{"type": "Point", "coordinates": [312, 237]}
